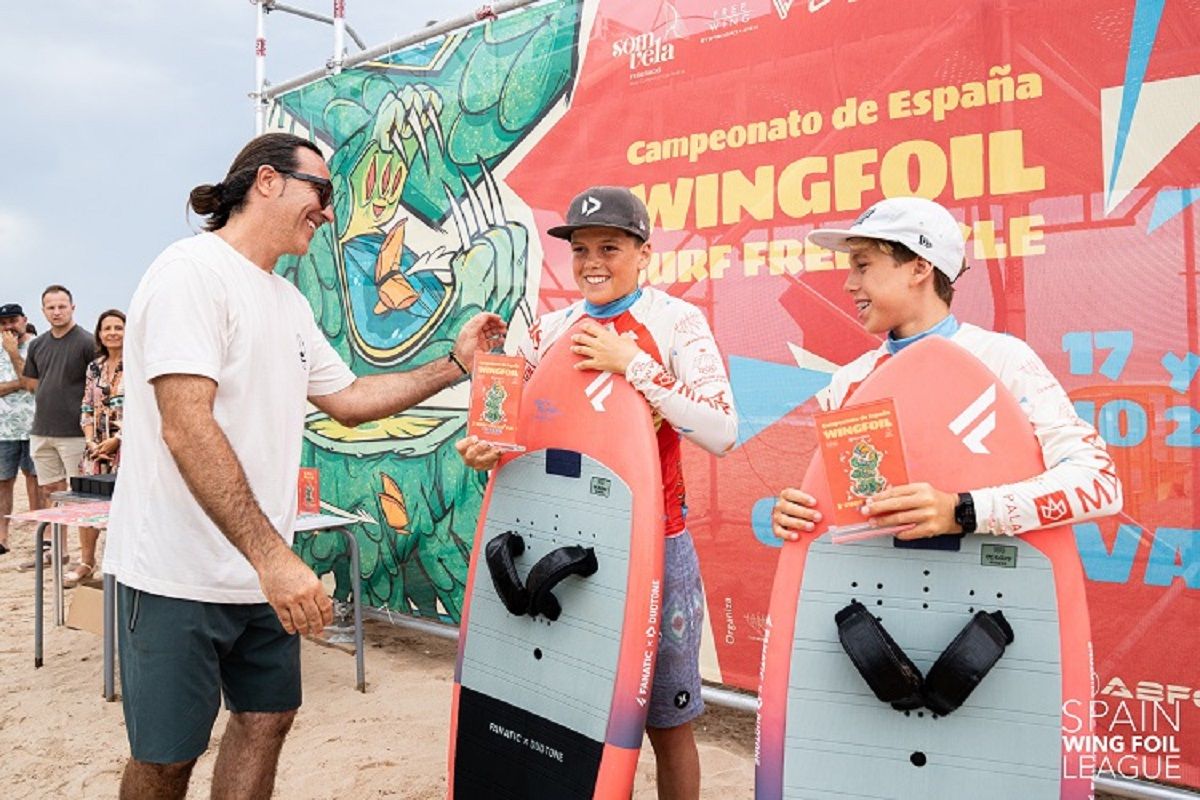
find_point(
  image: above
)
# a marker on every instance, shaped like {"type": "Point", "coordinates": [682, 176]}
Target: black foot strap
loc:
{"type": "Point", "coordinates": [499, 554]}
{"type": "Point", "coordinates": [884, 665]}
{"type": "Point", "coordinates": [966, 660]}
{"type": "Point", "coordinates": [550, 570]}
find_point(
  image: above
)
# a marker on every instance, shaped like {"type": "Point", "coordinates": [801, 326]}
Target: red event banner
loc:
{"type": "Point", "coordinates": [1062, 135]}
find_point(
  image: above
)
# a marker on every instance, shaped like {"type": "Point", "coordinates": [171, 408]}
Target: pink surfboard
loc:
{"type": "Point", "coordinates": [822, 733]}
{"type": "Point", "coordinates": [555, 709]}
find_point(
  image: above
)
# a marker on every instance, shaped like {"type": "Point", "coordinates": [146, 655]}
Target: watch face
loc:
{"type": "Point", "coordinates": [964, 513]}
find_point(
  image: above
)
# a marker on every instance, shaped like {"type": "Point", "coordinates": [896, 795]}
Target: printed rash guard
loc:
{"type": "Point", "coordinates": [1080, 481]}
{"type": "Point", "coordinates": [679, 372]}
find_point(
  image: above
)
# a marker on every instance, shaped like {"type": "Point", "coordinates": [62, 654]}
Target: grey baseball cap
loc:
{"type": "Point", "coordinates": [605, 207]}
{"type": "Point", "coordinates": [11, 310]}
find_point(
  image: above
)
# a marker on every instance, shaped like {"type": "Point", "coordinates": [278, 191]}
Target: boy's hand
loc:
{"type": "Point", "coordinates": [603, 350]}
{"type": "Point", "coordinates": [929, 511]}
{"type": "Point", "coordinates": [795, 513]}
{"type": "Point", "coordinates": [476, 454]}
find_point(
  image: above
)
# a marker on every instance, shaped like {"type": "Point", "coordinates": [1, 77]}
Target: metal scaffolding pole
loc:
{"type": "Point", "coordinates": [260, 73]}
{"type": "Point", "coordinates": [424, 34]}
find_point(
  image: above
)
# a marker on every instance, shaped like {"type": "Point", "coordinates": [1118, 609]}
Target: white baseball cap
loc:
{"type": "Point", "coordinates": [921, 225]}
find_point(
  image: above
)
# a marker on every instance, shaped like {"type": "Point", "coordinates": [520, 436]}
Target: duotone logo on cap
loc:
{"type": "Point", "coordinates": [590, 206]}
{"type": "Point", "coordinates": [921, 240]}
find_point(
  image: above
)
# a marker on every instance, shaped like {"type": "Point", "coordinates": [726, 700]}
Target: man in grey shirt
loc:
{"type": "Point", "coordinates": [55, 371]}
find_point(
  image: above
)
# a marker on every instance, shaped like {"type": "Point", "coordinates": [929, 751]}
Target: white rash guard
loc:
{"type": "Point", "coordinates": [1080, 481]}
{"type": "Point", "coordinates": [679, 371]}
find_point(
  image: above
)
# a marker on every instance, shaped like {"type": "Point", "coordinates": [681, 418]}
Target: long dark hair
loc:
{"type": "Point", "coordinates": [219, 201]}
{"type": "Point", "coordinates": [101, 350]}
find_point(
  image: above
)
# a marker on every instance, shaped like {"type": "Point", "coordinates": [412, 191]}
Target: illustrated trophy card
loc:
{"type": "Point", "coordinates": [863, 455]}
{"type": "Point", "coordinates": [496, 383]}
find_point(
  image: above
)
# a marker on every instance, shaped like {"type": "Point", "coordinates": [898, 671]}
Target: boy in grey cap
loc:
{"type": "Point", "coordinates": [664, 348]}
{"type": "Point", "coordinates": [905, 254]}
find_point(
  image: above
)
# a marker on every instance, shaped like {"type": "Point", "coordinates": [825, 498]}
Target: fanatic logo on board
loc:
{"type": "Point", "coordinates": [979, 418]}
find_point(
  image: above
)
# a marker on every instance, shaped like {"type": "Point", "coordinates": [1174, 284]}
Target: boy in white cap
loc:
{"type": "Point", "coordinates": [663, 346]}
{"type": "Point", "coordinates": [905, 254]}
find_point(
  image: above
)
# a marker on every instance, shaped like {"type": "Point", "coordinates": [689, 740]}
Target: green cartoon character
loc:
{"type": "Point", "coordinates": [423, 239]}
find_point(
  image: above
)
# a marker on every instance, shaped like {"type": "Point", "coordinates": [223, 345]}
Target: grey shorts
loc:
{"type": "Point", "coordinates": [14, 455]}
{"type": "Point", "coordinates": [179, 656]}
{"type": "Point", "coordinates": [675, 696]}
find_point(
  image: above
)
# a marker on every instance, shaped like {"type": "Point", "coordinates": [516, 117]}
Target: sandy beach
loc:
{"type": "Point", "coordinates": [59, 738]}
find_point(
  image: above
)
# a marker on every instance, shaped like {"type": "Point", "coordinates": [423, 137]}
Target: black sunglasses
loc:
{"type": "Point", "coordinates": [324, 186]}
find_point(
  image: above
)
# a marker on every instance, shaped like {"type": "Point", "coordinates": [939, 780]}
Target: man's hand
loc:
{"type": "Point", "coordinates": [795, 513]}
{"type": "Point", "coordinates": [484, 332]}
{"type": "Point", "coordinates": [295, 592]}
{"type": "Point", "coordinates": [476, 454]}
{"type": "Point", "coordinates": [603, 349]}
{"type": "Point", "coordinates": [10, 341]}
{"type": "Point", "coordinates": [929, 511]}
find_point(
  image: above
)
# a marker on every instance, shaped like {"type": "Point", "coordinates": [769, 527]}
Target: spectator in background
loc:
{"type": "Point", "coordinates": [16, 416]}
{"type": "Point", "coordinates": [30, 328]}
{"type": "Point", "coordinates": [100, 419]}
{"type": "Point", "coordinates": [55, 369]}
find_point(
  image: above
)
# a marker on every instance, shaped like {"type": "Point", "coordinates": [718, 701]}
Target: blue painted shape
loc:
{"type": "Point", "coordinates": [1098, 563]}
{"type": "Point", "coordinates": [1078, 347]}
{"type": "Point", "coordinates": [1175, 554]}
{"type": "Point", "coordinates": [760, 520]}
{"type": "Point", "coordinates": [1187, 426]}
{"type": "Point", "coordinates": [1146, 16]}
{"type": "Point", "coordinates": [1170, 203]}
{"type": "Point", "coordinates": [1109, 423]}
{"type": "Point", "coordinates": [1181, 370]}
{"type": "Point", "coordinates": [1121, 345]}
{"type": "Point", "coordinates": [765, 392]}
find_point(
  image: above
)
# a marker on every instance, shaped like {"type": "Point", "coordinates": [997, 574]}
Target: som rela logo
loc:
{"type": "Point", "coordinates": [650, 48]}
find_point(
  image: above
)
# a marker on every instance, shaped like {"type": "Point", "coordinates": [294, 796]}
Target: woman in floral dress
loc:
{"type": "Point", "coordinates": [100, 419]}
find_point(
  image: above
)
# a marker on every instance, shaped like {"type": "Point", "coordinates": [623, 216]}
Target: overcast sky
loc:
{"type": "Point", "coordinates": [112, 110]}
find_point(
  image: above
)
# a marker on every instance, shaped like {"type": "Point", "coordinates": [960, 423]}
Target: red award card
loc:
{"type": "Point", "coordinates": [308, 491]}
{"type": "Point", "coordinates": [496, 383]}
{"type": "Point", "coordinates": [863, 455]}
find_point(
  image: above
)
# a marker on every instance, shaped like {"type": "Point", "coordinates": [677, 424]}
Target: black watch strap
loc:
{"type": "Point", "coordinates": [964, 513]}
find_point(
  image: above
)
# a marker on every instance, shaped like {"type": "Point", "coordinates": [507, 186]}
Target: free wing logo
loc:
{"type": "Point", "coordinates": [976, 421]}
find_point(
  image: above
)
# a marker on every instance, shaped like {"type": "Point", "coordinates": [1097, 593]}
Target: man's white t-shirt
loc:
{"type": "Point", "coordinates": [204, 309]}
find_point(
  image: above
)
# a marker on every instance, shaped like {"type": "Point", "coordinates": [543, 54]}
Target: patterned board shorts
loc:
{"type": "Point", "coordinates": [675, 697]}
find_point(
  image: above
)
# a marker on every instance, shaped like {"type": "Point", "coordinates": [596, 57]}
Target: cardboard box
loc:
{"type": "Point", "coordinates": [86, 612]}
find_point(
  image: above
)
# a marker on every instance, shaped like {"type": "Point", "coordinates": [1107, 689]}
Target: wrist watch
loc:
{"type": "Point", "coordinates": [964, 512]}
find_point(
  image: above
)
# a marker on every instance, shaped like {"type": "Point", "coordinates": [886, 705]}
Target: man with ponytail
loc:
{"type": "Point", "coordinates": [220, 357]}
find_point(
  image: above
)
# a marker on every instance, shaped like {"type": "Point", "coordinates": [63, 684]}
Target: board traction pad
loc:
{"type": "Point", "coordinates": [555, 677]}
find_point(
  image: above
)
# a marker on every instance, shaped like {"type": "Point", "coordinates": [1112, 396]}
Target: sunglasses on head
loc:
{"type": "Point", "coordinates": [323, 185]}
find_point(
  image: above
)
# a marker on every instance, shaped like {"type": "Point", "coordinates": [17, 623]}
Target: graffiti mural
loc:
{"type": "Point", "coordinates": [423, 239]}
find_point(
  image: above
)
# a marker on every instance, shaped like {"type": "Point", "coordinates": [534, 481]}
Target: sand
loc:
{"type": "Point", "coordinates": [59, 738]}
